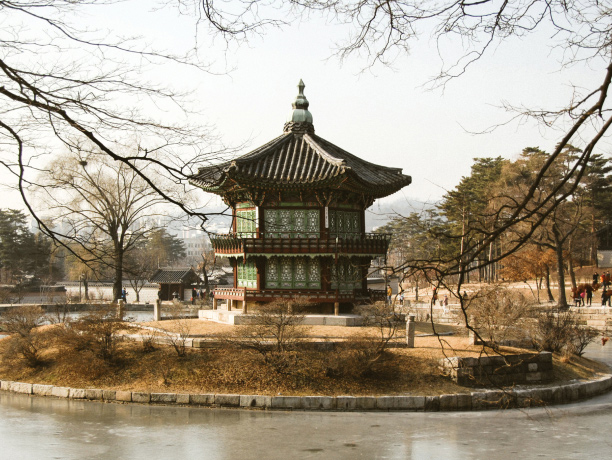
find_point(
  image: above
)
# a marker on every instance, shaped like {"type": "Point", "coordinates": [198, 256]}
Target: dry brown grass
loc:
{"type": "Point", "coordinates": [229, 369]}
{"type": "Point", "coordinates": [199, 327]}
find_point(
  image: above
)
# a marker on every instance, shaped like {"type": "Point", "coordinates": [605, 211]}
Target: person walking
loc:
{"type": "Point", "coordinates": [589, 297]}
{"type": "Point", "coordinates": [389, 294]}
{"type": "Point", "coordinates": [124, 295]}
{"type": "Point", "coordinates": [434, 297]}
{"type": "Point", "coordinates": [445, 304]}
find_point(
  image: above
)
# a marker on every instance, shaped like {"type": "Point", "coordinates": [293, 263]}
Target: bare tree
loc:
{"type": "Point", "coordinates": [65, 84]}
{"type": "Point", "coordinates": [102, 209]}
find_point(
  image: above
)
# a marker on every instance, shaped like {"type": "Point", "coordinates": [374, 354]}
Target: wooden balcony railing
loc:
{"type": "Point", "coordinates": [309, 294]}
{"type": "Point", "coordinates": [363, 243]}
{"type": "Point", "coordinates": [271, 294]}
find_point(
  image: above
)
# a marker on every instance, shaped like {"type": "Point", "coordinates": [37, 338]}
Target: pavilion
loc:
{"type": "Point", "coordinates": [298, 218]}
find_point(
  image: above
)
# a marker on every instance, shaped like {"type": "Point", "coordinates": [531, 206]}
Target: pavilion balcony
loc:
{"type": "Point", "coordinates": [312, 295]}
{"type": "Point", "coordinates": [374, 244]}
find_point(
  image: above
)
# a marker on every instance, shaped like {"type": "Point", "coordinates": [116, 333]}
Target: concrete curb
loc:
{"type": "Point", "coordinates": [476, 400]}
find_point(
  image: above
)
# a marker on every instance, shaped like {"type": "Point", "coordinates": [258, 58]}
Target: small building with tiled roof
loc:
{"type": "Point", "coordinates": [298, 226]}
{"type": "Point", "coordinates": [175, 281]}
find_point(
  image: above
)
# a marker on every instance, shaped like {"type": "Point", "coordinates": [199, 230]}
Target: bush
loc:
{"type": "Point", "coordinates": [27, 342]}
{"type": "Point", "coordinates": [178, 339]}
{"type": "Point", "coordinates": [581, 337]}
{"type": "Point", "coordinates": [28, 347]}
{"type": "Point", "coordinates": [277, 326]}
{"type": "Point", "coordinates": [21, 320]}
{"type": "Point", "coordinates": [384, 319]}
{"type": "Point", "coordinates": [499, 314]}
{"type": "Point", "coordinates": [96, 332]}
{"type": "Point", "coordinates": [559, 332]}
{"type": "Point", "coordinates": [58, 313]}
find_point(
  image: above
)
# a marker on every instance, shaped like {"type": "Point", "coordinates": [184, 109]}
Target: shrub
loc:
{"type": "Point", "coordinates": [277, 326]}
{"type": "Point", "coordinates": [384, 319]}
{"type": "Point", "coordinates": [499, 314]}
{"type": "Point", "coordinates": [178, 339]}
{"type": "Point", "coordinates": [28, 347]}
{"type": "Point", "coordinates": [96, 332]}
{"type": "Point", "coordinates": [581, 337]}
{"type": "Point", "coordinates": [559, 332]}
{"type": "Point", "coordinates": [58, 313]}
{"type": "Point", "coordinates": [21, 320]}
{"type": "Point", "coordinates": [27, 342]}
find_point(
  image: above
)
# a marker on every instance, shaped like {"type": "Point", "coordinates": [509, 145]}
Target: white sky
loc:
{"type": "Point", "coordinates": [383, 115]}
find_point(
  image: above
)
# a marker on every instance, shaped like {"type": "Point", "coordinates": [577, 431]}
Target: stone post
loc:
{"type": "Point", "coordinates": [410, 328]}
{"type": "Point", "coordinates": [336, 308]}
{"type": "Point", "coordinates": [157, 310]}
{"type": "Point", "coordinates": [473, 340]}
{"type": "Point", "coordinates": [120, 309]}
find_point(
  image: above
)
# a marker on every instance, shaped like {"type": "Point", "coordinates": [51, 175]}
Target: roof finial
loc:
{"type": "Point", "coordinates": [300, 119]}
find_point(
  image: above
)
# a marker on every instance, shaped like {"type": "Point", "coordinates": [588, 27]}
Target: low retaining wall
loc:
{"type": "Point", "coordinates": [532, 368]}
{"type": "Point", "coordinates": [599, 318]}
{"type": "Point", "coordinates": [475, 400]}
{"type": "Point", "coordinates": [424, 312]}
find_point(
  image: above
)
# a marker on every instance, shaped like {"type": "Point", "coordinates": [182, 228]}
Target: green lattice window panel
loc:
{"type": "Point", "coordinates": [292, 223]}
{"type": "Point", "coordinates": [245, 223]}
{"type": "Point", "coordinates": [293, 273]}
{"type": "Point", "coordinates": [345, 276]}
{"type": "Point", "coordinates": [345, 224]}
{"type": "Point", "coordinates": [247, 274]}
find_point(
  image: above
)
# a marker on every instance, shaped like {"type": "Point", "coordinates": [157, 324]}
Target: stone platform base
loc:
{"type": "Point", "coordinates": [236, 317]}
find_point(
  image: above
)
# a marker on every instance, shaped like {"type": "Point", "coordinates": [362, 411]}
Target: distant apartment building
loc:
{"type": "Point", "coordinates": [196, 242]}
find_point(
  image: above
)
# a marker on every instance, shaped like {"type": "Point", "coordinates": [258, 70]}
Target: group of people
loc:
{"type": "Point", "coordinates": [583, 294]}
{"type": "Point", "coordinates": [443, 301]}
{"type": "Point", "coordinates": [400, 297]}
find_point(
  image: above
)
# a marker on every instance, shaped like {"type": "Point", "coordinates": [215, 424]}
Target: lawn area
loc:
{"type": "Point", "coordinates": [350, 368]}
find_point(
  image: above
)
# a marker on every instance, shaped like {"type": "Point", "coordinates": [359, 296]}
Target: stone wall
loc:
{"type": "Point", "coordinates": [500, 370]}
{"type": "Point", "coordinates": [470, 400]}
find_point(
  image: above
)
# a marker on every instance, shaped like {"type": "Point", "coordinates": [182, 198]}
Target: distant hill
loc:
{"type": "Point", "coordinates": [382, 211]}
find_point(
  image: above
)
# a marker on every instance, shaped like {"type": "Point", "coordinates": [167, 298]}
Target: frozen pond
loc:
{"type": "Point", "coordinates": [97, 291]}
{"type": "Point", "coordinates": [37, 427]}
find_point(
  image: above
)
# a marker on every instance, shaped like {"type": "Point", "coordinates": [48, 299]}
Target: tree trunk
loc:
{"type": "Point", "coordinates": [206, 285]}
{"type": "Point", "coordinates": [118, 281]}
{"type": "Point", "coordinates": [570, 269]}
{"type": "Point", "coordinates": [86, 287]}
{"type": "Point", "coordinates": [548, 290]}
{"type": "Point", "coordinates": [562, 301]}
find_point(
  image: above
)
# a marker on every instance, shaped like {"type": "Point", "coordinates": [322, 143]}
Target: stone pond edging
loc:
{"type": "Point", "coordinates": [474, 400]}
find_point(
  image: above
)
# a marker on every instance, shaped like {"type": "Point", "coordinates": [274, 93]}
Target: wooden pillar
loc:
{"type": "Point", "coordinates": [336, 308]}
{"type": "Point", "coordinates": [230, 304]}
{"type": "Point", "coordinates": [244, 306]}
{"type": "Point", "coordinates": [260, 265]}
{"type": "Point", "coordinates": [215, 303]}
{"type": "Point", "coordinates": [261, 222]}
{"type": "Point", "coordinates": [235, 266]}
